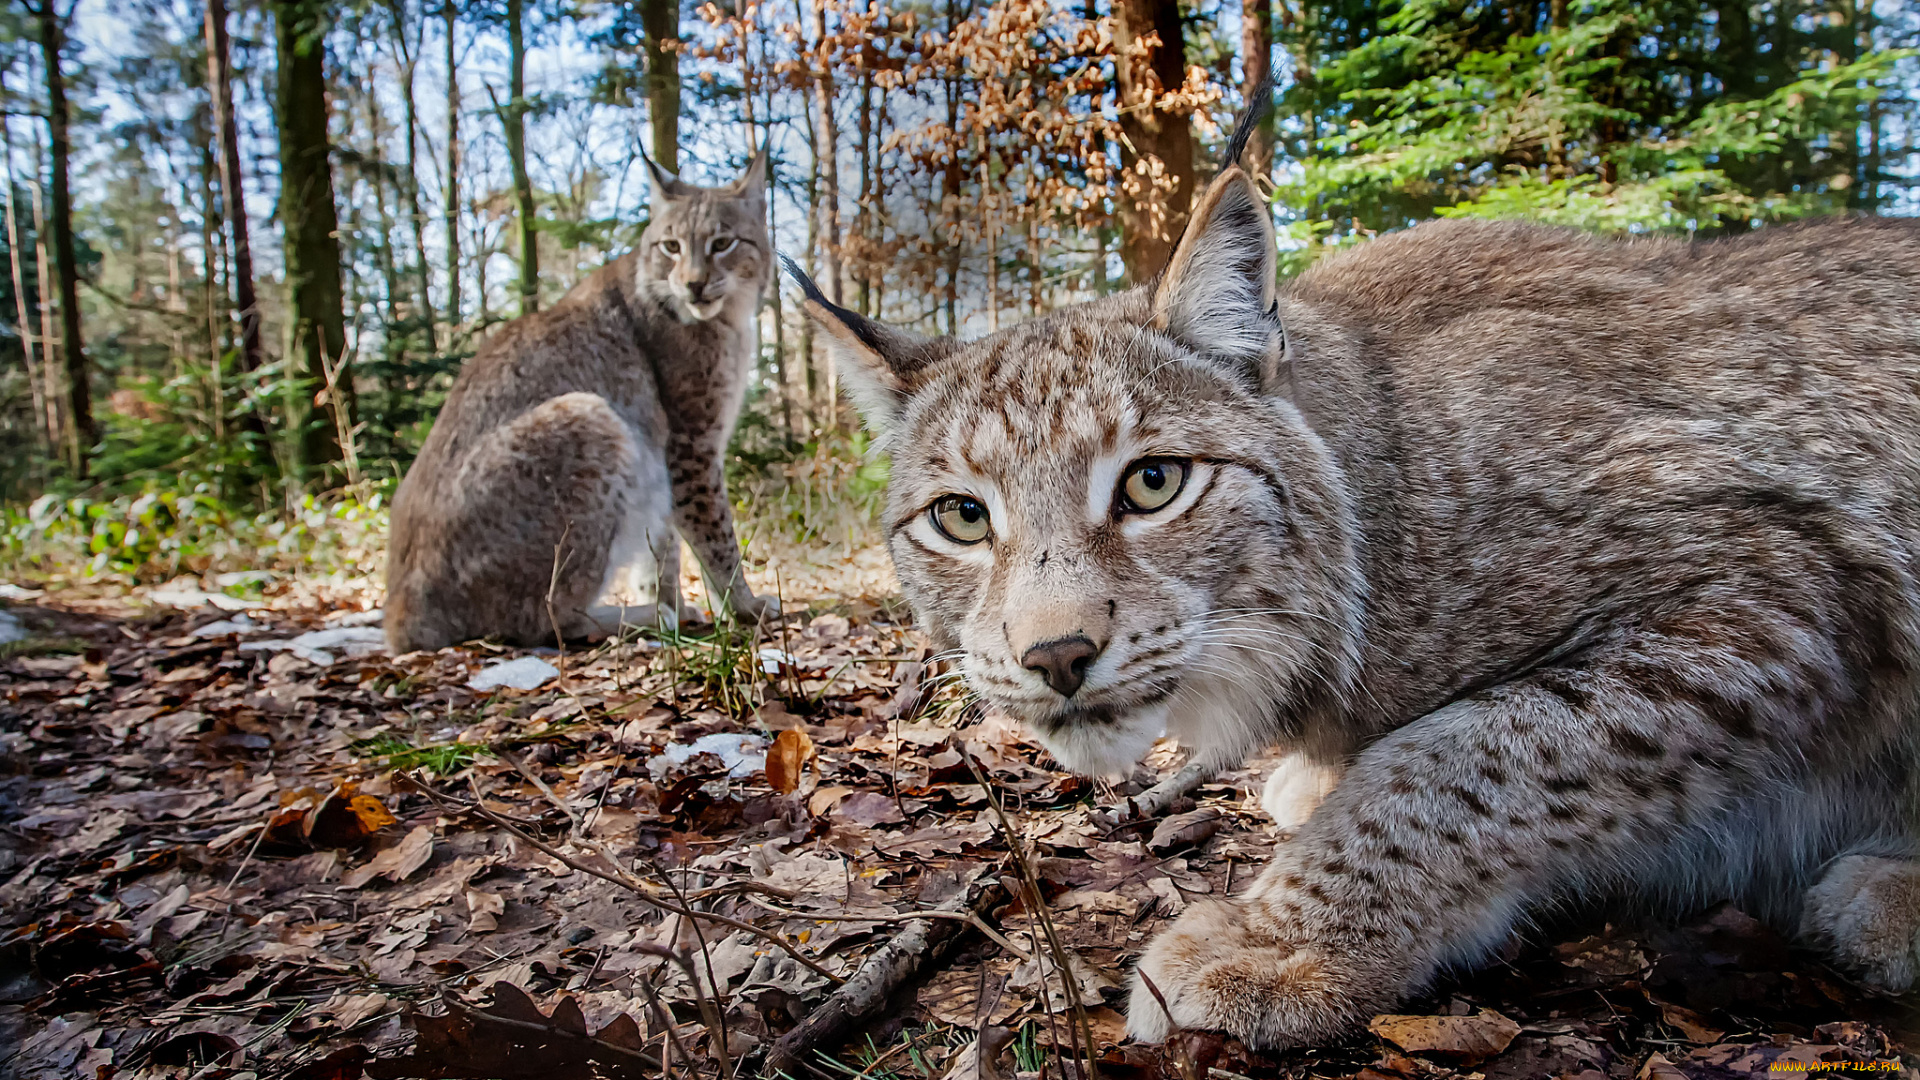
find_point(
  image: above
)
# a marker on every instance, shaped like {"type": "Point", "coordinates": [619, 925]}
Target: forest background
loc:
{"type": "Point", "coordinates": [249, 247]}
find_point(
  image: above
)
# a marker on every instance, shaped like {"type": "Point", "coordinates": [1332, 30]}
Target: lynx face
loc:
{"type": "Point", "coordinates": [1111, 516]}
{"type": "Point", "coordinates": [704, 247]}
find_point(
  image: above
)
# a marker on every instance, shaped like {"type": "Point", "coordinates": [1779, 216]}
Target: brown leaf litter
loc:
{"type": "Point", "coordinates": [225, 856]}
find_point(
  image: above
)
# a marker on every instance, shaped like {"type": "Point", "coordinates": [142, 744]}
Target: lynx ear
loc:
{"type": "Point", "coordinates": [666, 186]}
{"type": "Point", "coordinates": [876, 362]}
{"type": "Point", "coordinates": [752, 184]}
{"type": "Point", "coordinates": [1217, 293]}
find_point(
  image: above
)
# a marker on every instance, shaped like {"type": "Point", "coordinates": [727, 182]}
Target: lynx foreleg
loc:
{"type": "Point", "coordinates": [1565, 782]}
{"type": "Point", "coordinates": [704, 516]}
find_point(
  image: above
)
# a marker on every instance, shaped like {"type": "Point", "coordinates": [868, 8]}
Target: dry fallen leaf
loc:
{"type": "Point", "coordinates": [484, 909]}
{"type": "Point", "coordinates": [396, 863]}
{"type": "Point", "coordinates": [787, 758]}
{"type": "Point", "coordinates": [1466, 1040]}
{"type": "Point", "coordinates": [1691, 1025]}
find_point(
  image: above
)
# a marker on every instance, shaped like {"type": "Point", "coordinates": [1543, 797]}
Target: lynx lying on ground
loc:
{"type": "Point", "coordinates": [578, 439]}
{"type": "Point", "coordinates": [1591, 561]}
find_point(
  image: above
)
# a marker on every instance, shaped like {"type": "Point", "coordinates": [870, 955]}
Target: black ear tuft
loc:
{"type": "Point", "coordinates": [881, 339]}
{"type": "Point", "coordinates": [1259, 104]}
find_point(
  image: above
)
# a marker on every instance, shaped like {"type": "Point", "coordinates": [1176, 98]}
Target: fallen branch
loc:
{"type": "Point", "coordinates": [923, 944]}
{"type": "Point", "coordinates": [1155, 800]}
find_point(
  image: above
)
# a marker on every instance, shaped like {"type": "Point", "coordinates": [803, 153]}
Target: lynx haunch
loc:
{"type": "Point", "coordinates": [1586, 565]}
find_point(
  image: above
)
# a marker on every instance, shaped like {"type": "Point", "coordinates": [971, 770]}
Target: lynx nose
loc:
{"type": "Point", "coordinates": [697, 290]}
{"type": "Point", "coordinates": [1062, 662]}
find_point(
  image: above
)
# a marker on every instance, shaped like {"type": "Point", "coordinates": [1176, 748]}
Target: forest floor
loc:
{"type": "Point", "coordinates": [239, 843]}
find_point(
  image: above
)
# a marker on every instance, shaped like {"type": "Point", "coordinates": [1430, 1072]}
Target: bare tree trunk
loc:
{"type": "Point", "coordinates": [514, 120]}
{"type": "Point", "coordinates": [409, 63]}
{"type": "Point", "coordinates": [452, 190]}
{"type": "Point", "coordinates": [232, 183]}
{"type": "Point", "coordinates": [864, 200]}
{"type": "Point", "coordinates": [1146, 242]}
{"type": "Point", "coordinates": [393, 344]}
{"type": "Point", "coordinates": [210, 229]}
{"type": "Point", "coordinates": [312, 225]}
{"type": "Point", "coordinates": [49, 337]}
{"type": "Point", "coordinates": [81, 432]}
{"type": "Point", "coordinates": [827, 151]}
{"type": "Point", "coordinates": [1256, 59]}
{"type": "Point", "coordinates": [660, 21]}
{"type": "Point", "coordinates": [826, 148]}
{"type": "Point", "coordinates": [39, 380]}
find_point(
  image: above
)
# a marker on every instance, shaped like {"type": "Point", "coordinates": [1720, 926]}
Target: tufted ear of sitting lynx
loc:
{"type": "Point", "coordinates": [752, 184]}
{"type": "Point", "coordinates": [1217, 294]}
{"type": "Point", "coordinates": [877, 363]}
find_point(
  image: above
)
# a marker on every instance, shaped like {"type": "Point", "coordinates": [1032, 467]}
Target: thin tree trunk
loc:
{"type": "Point", "coordinates": [81, 432]}
{"type": "Point", "coordinates": [210, 228]}
{"type": "Point", "coordinates": [452, 189]}
{"type": "Point", "coordinates": [393, 344]}
{"type": "Point", "coordinates": [660, 22]}
{"type": "Point", "coordinates": [1256, 59]}
{"type": "Point", "coordinates": [514, 120]}
{"type": "Point", "coordinates": [1147, 238]}
{"type": "Point", "coordinates": [865, 214]}
{"type": "Point", "coordinates": [233, 183]}
{"type": "Point", "coordinates": [423, 302]}
{"type": "Point", "coordinates": [761, 140]}
{"type": "Point", "coordinates": [39, 380]}
{"type": "Point", "coordinates": [311, 221]}
{"type": "Point", "coordinates": [826, 150]}
{"type": "Point", "coordinates": [49, 337]}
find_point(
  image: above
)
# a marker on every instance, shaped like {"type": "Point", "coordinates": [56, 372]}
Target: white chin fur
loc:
{"type": "Point", "coordinates": [1107, 750]}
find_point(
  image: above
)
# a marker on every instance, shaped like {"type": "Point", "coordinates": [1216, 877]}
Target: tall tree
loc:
{"type": "Point", "coordinates": [407, 50]}
{"type": "Point", "coordinates": [46, 423]}
{"type": "Point", "coordinates": [449, 14]}
{"type": "Point", "coordinates": [660, 23]}
{"type": "Point", "coordinates": [307, 213]}
{"type": "Point", "coordinates": [1256, 61]}
{"type": "Point", "coordinates": [826, 151]}
{"type": "Point", "coordinates": [232, 182]}
{"type": "Point", "coordinates": [81, 432]}
{"type": "Point", "coordinates": [1159, 144]}
{"type": "Point", "coordinates": [514, 118]}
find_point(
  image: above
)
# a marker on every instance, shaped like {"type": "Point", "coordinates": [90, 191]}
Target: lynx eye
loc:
{"type": "Point", "coordinates": [671, 247]}
{"type": "Point", "coordinates": [1152, 483]}
{"type": "Point", "coordinates": [722, 245]}
{"type": "Point", "coordinates": [960, 519]}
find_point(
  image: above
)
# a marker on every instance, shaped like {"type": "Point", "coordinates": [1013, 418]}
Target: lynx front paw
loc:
{"type": "Point", "coordinates": [1214, 970]}
{"type": "Point", "coordinates": [749, 608]}
{"type": "Point", "coordinates": [1865, 912]}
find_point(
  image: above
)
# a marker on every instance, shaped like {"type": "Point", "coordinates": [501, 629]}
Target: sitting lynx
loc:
{"type": "Point", "coordinates": [1591, 561]}
{"type": "Point", "coordinates": [578, 439]}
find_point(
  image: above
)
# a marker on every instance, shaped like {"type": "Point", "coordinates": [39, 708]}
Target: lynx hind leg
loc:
{"type": "Point", "coordinates": [541, 500]}
{"type": "Point", "coordinates": [1865, 911]}
{"type": "Point", "coordinates": [1295, 788]}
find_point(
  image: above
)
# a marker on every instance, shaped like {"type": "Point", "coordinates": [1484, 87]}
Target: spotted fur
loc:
{"type": "Point", "coordinates": [1589, 561]}
{"type": "Point", "coordinates": [582, 442]}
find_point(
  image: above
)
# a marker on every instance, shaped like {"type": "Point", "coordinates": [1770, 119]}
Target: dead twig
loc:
{"type": "Point", "coordinates": [922, 945]}
{"type": "Point", "coordinates": [1155, 800]}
